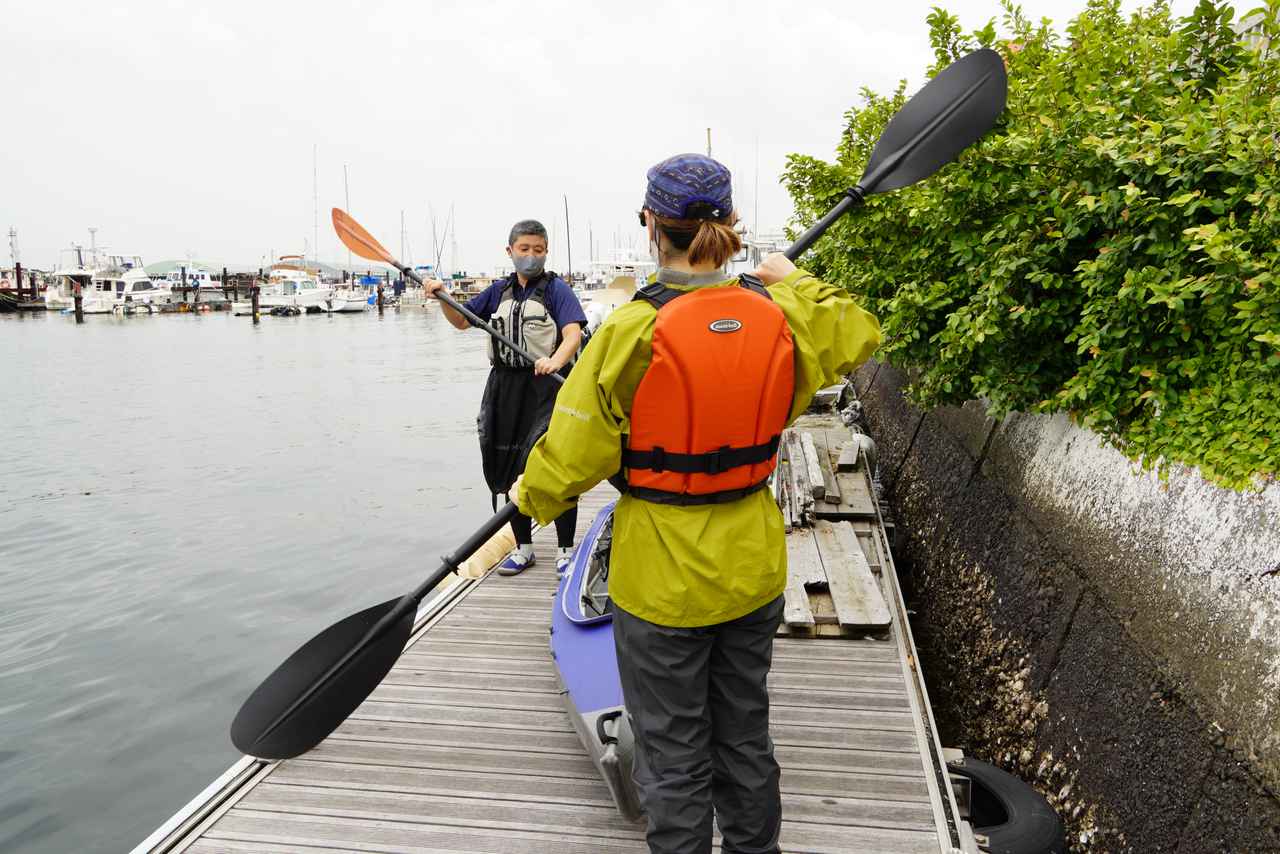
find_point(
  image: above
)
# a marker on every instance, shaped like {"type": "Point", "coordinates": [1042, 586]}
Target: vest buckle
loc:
{"type": "Point", "coordinates": [716, 461]}
{"type": "Point", "coordinates": [658, 456]}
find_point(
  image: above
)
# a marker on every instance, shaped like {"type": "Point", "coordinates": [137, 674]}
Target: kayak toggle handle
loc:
{"type": "Point", "coordinates": [603, 734]}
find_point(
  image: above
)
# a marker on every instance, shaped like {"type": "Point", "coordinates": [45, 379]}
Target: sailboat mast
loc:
{"type": "Point", "coordinates": [315, 206]}
{"type": "Point", "coordinates": [755, 217]}
{"type": "Point", "coordinates": [346, 194]}
{"type": "Point", "coordinates": [453, 248]}
{"type": "Point", "coordinates": [435, 241]}
{"type": "Point", "coordinates": [568, 240]}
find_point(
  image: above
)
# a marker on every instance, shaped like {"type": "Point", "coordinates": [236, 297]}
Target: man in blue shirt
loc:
{"type": "Point", "coordinates": [536, 309]}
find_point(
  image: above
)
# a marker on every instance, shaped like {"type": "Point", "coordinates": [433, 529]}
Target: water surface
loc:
{"type": "Point", "coordinates": [184, 500]}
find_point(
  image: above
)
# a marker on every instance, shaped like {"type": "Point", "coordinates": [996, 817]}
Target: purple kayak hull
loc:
{"type": "Point", "coordinates": [587, 668]}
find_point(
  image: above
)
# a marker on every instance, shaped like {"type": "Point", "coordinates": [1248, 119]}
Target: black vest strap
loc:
{"type": "Point", "coordinates": [657, 294]}
{"type": "Point", "coordinates": [539, 288]}
{"type": "Point", "coordinates": [754, 285]}
{"type": "Point", "coordinates": [681, 499]}
{"type": "Point", "coordinates": [711, 462]}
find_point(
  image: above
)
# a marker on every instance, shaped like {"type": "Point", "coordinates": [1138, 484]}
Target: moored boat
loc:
{"type": "Point", "coordinates": [95, 273]}
{"type": "Point", "coordinates": [135, 292]}
{"type": "Point", "coordinates": [346, 301]}
{"type": "Point", "coordinates": [290, 289]}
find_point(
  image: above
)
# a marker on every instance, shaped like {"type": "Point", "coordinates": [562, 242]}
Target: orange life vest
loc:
{"type": "Point", "coordinates": [710, 409]}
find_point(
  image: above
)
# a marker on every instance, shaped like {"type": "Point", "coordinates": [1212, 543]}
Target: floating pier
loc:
{"type": "Point", "coordinates": [466, 746]}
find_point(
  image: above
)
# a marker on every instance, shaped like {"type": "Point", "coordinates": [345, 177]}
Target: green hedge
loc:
{"type": "Point", "coordinates": [1110, 250]}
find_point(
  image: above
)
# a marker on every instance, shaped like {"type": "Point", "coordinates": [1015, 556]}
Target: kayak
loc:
{"type": "Point", "coordinates": [587, 664]}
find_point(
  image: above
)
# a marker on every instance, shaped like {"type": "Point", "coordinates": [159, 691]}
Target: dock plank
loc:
{"type": "Point", "coordinates": [486, 715]}
{"type": "Point", "coordinates": [804, 567]}
{"type": "Point", "coordinates": [830, 484]}
{"type": "Point", "coordinates": [854, 592]}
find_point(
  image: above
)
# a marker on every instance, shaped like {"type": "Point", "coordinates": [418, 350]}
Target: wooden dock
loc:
{"type": "Point", "coordinates": [466, 746]}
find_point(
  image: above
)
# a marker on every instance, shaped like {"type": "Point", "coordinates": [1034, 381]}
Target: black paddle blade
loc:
{"type": "Point", "coordinates": [948, 115]}
{"type": "Point", "coordinates": [944, 118]}
{"type": "Point", "coordinates": [258, 729]}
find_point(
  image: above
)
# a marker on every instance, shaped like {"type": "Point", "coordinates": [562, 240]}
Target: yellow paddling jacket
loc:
{"type": "Point", "coordinates": [685, 565]}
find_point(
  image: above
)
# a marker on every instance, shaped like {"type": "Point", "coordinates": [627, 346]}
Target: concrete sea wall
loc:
{"type": "Point", "coordinates": [1110, 637]}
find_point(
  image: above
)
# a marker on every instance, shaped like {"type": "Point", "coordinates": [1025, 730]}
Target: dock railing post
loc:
{"type": "Point", "coordinates": [256, 287]}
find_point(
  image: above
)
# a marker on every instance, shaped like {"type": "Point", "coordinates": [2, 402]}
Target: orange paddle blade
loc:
{"type": "Point", "coordinates": [358, 240]}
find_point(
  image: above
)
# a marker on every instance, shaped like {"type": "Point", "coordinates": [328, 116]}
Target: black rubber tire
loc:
{"type": "Point", "coordinates": [1032, 826]}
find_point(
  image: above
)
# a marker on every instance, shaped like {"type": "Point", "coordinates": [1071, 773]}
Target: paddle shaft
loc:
{"type": "Point", "coordinates": [410, 600]}
{"type": "Point", "coordinates": [852, 197]}
{"type": "Point", "coordinates": [447, 298]}
{"type": "Point", "coordinates": [448, 564]}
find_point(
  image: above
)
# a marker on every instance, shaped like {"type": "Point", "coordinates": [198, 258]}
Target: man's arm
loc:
{"type": "Point", "coordinates": [477, 305]}
{"type": "Point", "coordinates": [571, 333]}
{"type": "Point", "coordinates": [568, 315]}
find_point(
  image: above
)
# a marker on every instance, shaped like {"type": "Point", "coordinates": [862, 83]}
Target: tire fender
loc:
{"type": "Point", "coordinates": [1032, 827]}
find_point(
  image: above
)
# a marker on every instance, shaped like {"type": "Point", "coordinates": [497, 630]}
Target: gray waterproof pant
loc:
{"type": "Point", "coordinates": [699, 709]}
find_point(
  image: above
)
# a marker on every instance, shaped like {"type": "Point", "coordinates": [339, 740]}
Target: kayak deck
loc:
{"type": "Point", "coordinates": [466, 747]}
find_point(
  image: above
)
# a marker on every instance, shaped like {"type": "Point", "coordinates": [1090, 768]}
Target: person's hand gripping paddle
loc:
{"type": "Point", "coordinates": [317, 687]}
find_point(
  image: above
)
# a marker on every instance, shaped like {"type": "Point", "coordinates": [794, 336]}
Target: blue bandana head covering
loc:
{"type": "Point", "coordinates": [689, 186]}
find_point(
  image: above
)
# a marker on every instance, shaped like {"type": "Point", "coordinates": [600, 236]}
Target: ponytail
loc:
{"type": "Point", "coordinates": [704, 240]}
{"type": "Point", "coordinates": [714, 242]}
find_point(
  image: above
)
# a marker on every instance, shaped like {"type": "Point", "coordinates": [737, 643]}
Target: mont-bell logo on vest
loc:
{"type": "Point", "coordinates": [727, 324]}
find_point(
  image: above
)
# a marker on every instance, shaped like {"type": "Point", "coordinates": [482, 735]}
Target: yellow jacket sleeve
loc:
{"type": "Point", "coordinates": [831, 333]}
{"type": "Point", "coordinates": [583, 445]}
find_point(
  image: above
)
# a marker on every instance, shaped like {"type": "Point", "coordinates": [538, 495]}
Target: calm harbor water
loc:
{"type": "Point", "coordinates": [183, 500]}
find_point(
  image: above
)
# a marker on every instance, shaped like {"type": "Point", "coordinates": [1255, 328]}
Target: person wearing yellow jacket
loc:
{"type": "Point", "coordinates": [696, 580]}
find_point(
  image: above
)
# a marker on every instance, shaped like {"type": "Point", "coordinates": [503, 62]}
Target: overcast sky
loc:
{"type": "Point", "coordinates": [181, 128]}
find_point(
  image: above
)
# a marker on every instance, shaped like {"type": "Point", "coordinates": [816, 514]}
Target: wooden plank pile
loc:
{"type": "Point", "coordinates": [808, 485]}
{"type": "Point", "coordinates": [825, 494]}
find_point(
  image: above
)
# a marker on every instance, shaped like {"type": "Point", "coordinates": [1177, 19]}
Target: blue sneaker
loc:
{"type": "Point", "coordinates": [516, 563]}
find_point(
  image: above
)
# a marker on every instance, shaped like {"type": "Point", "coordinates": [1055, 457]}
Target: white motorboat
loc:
{"type": "Point", "coordinates": [95, 273]}
{"type": "Point", "coordinates": [346, 301]}
{"type": "Point", "coordinates": [290, 290]}
{"type": "Point", "coordinates": [135, 292]}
